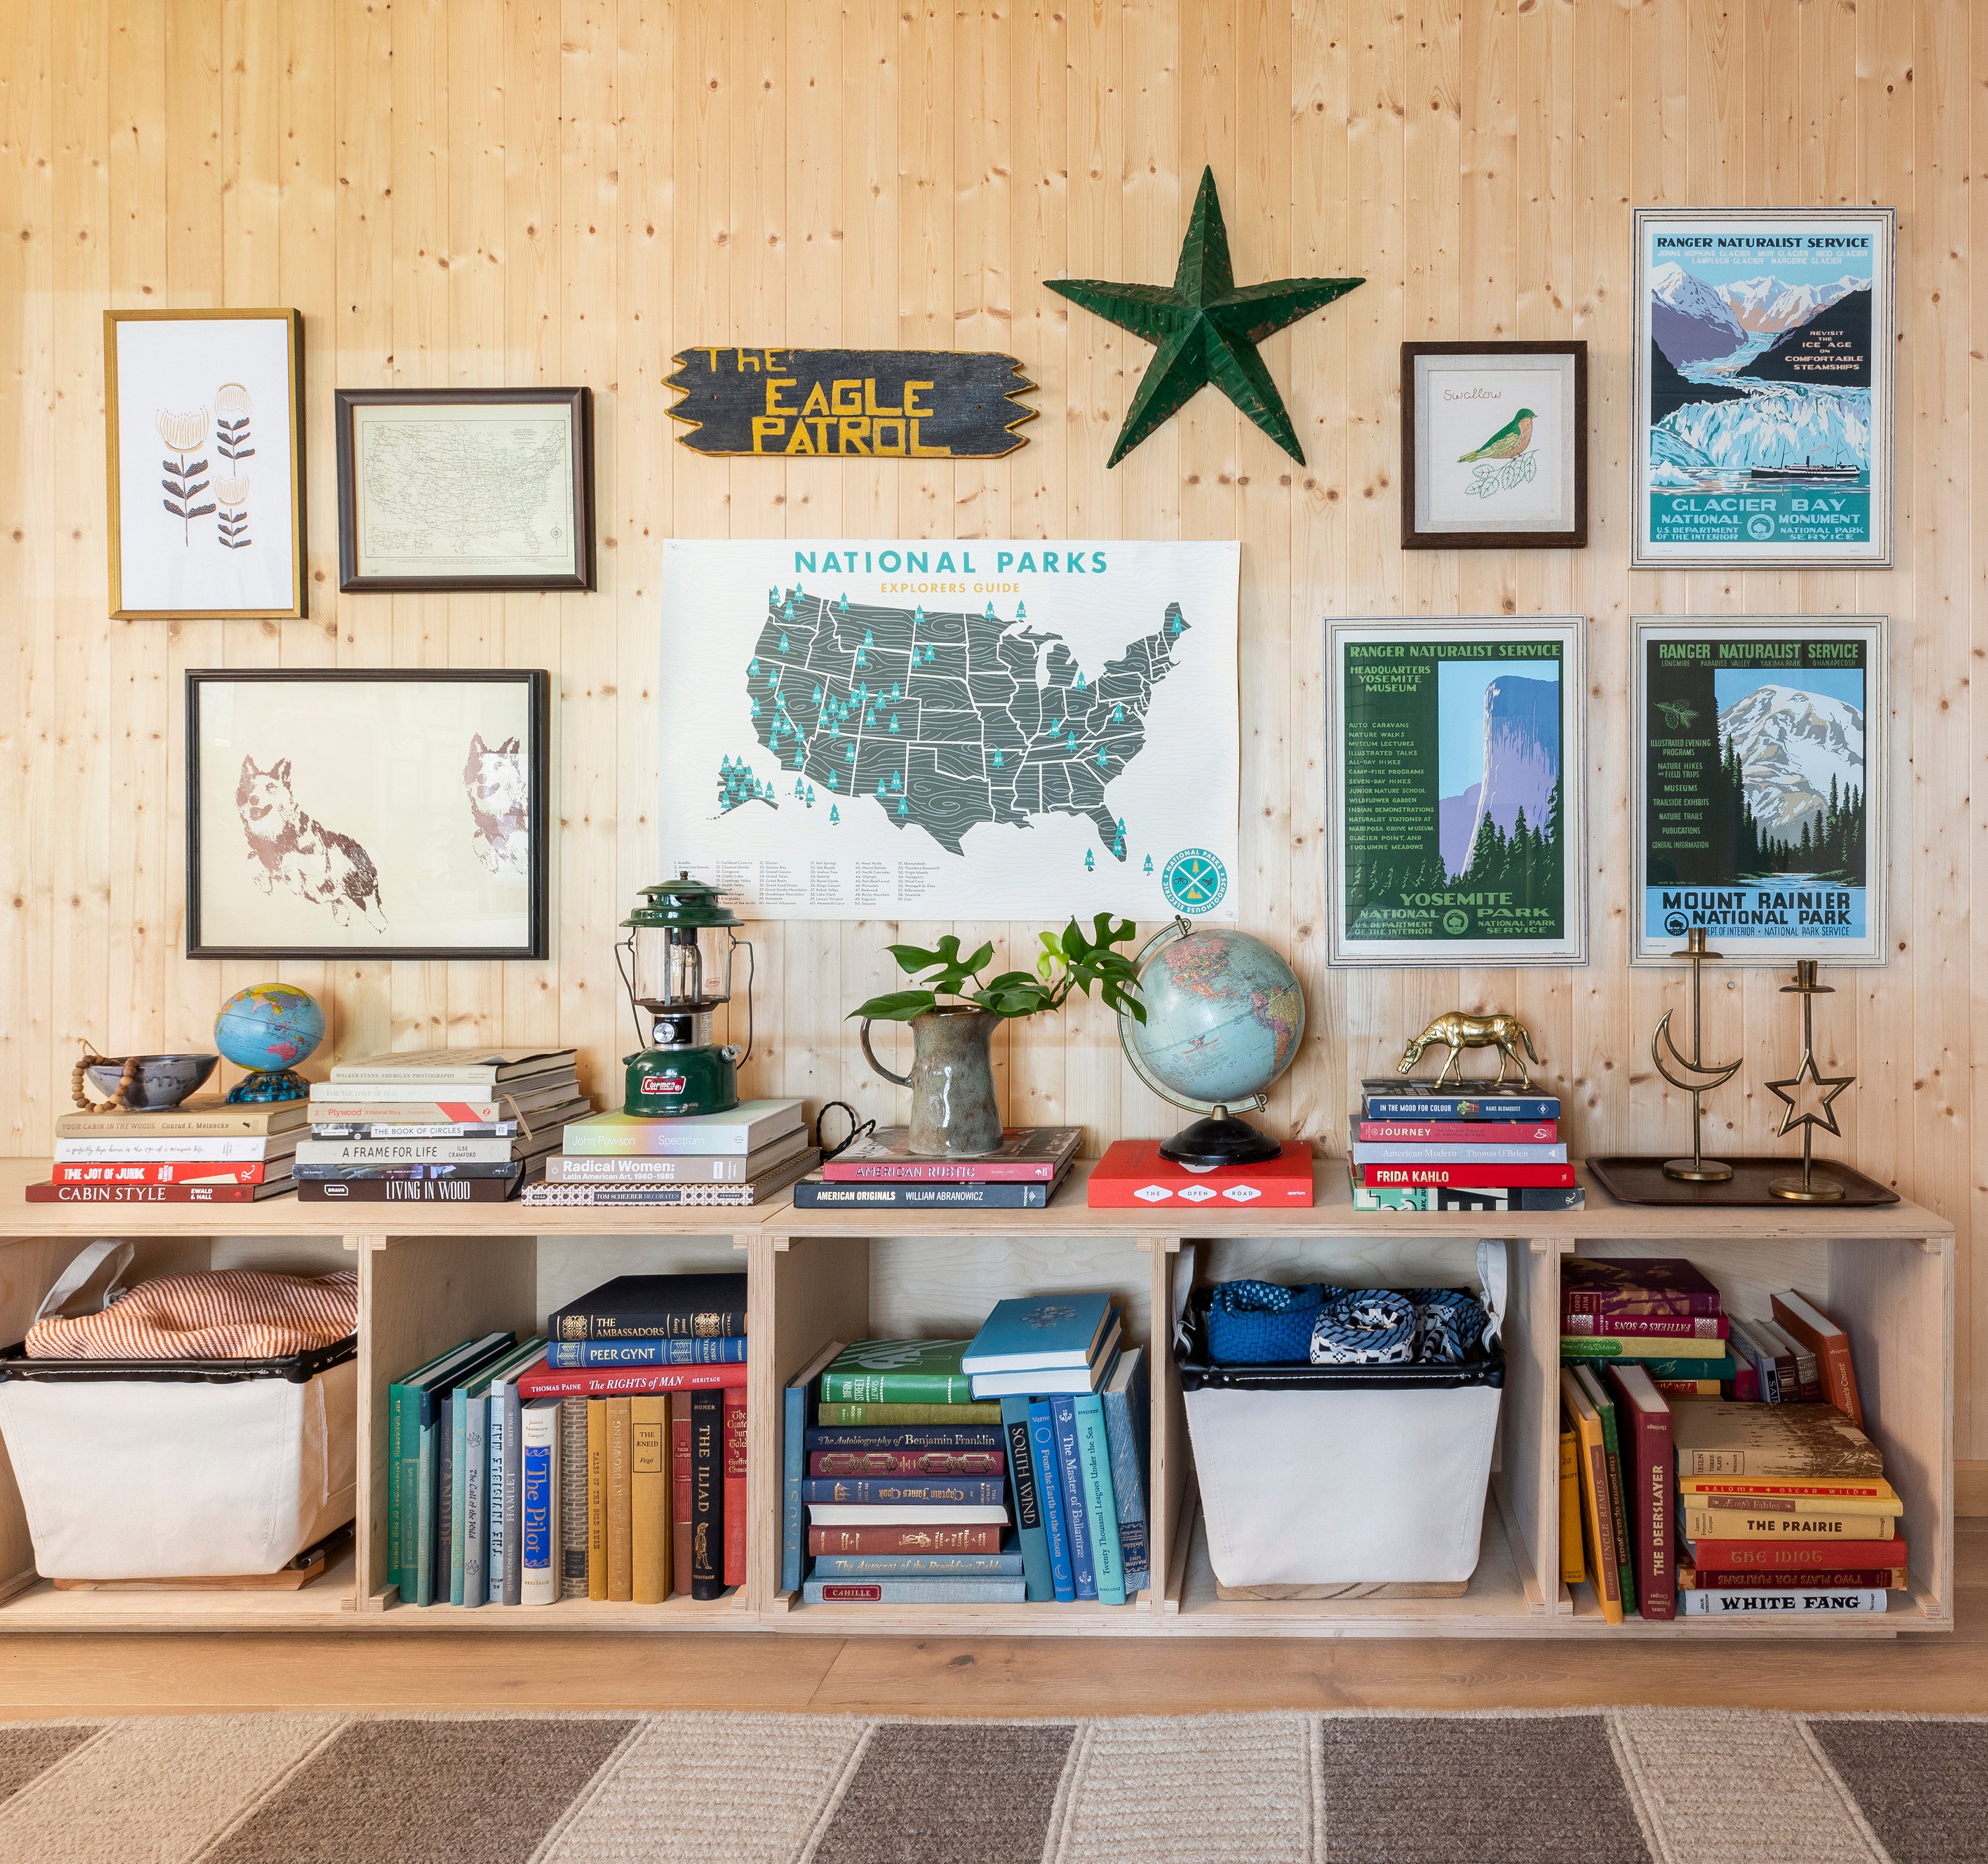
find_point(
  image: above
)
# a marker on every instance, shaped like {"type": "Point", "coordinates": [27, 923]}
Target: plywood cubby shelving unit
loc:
{"type": "Point", "coordinates": [430, 1275]}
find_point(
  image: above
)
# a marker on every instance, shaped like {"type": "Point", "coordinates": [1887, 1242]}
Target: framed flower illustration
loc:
{"type": "Point", "coordinates": [1494, 446]}
{"type": "Point", "coordinates": [204, 447]}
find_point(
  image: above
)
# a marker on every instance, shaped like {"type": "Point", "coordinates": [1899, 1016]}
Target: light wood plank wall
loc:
{"type": "Point", "coordinates": [459, 192]}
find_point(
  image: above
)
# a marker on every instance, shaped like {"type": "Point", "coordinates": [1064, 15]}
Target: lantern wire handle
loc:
{"type": "Point", "coordinates": [752, 971]}
{"type": "Point", "coordinates": [857, 1129]}
{"type": "Point", "coordinates": [625, 964]}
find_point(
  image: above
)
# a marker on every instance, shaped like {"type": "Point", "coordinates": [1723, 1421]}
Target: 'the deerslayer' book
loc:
{"type": "Point", "coordinates": [655, 1307]}
{"type": "Point", "coordinates": [1026, 1154]}
{"type": "Point", "coordinates": [1635, 1285]}
{"type": "Point", "coordinates": [1643, 1420]}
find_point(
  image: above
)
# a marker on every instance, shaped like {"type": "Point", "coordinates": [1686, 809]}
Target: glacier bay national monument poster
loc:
{"type": "Point", "coordinates": [987, 730]}
{"type": "Point", "coordinates": [1763, 345]}
{"type": "Point", "coordinates": [1455, 800]}
{"type": "Point", "coordinates": [1759, 788]}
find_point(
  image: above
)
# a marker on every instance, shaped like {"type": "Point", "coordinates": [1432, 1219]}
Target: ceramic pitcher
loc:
{"type": "Point", "coordinates": [954, 1112]}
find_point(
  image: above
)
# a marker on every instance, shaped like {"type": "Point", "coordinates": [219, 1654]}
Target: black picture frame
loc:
{"type": "Point", "coordinates": [578, 402]}
{"type": "Point", "coordinates": [1414, 538]}
{"type": "Point", "coordinates": [537, 686]}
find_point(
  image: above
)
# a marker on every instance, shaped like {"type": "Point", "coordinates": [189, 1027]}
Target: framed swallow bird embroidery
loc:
{"type": "Point", "coordinates": [1494, 446]}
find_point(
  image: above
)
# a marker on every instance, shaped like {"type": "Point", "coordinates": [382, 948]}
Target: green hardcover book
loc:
{"type": "Point", "coordinates": [900, 1371]}
{"type": "Point", "coordinates": [1668, 1368]}
{"type": "Point", "coordinates": [1618, 1511]}
{"type": "Point", "coordinates": [986, 1413]}
{"type": "Point", "coordinates": [404, 1420]}
{"type": "Point", "coordinates": [1593, 1346]}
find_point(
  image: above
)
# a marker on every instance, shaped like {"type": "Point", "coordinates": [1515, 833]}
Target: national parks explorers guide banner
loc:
{"type": "Point", "coordinates": [990, 729]}
{"type": "Point", "coordinates": [1452, 822]}
{"type": "Point", "coordinates": [1759, 791]}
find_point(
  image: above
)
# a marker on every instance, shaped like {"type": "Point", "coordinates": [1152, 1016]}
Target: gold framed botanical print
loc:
{"type": "Point", "coordinates": [204, 412]}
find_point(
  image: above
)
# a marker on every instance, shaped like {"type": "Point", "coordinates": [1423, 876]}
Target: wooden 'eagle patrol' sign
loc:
{"type": "Point", "coordinates": [923, 405]}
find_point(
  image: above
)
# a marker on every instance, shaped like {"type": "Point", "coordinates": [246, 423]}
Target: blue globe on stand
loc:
{"type": "Point", "coordinates": [269, 1028]}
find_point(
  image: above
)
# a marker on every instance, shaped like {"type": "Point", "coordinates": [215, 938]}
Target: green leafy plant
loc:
{"type": "Point", "coordinates": [1069, 962]}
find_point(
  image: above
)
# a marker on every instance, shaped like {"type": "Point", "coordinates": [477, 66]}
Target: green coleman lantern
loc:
{"type": "Point", "coordinates": [676, 962]}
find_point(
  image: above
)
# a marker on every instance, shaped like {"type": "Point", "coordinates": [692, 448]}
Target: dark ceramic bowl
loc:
{"type": "Point", "coordinates": [163, 1080]}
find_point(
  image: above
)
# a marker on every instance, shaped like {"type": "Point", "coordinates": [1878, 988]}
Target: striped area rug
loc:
{"type": "Point", "coordinates": [1620, 1786]}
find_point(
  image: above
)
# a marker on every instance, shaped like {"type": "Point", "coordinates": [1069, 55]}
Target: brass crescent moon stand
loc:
{"type": "Point", "coordinates": [1698, 1169]}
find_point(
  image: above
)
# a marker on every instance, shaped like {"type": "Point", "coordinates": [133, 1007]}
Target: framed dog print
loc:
{"type": "Point", "coordinates": [1494, 446]}
{"type": "Point", "coordinates": [377, 814]}
{"type": "Point", "coordinates": [1455, 803]}
{"type": "Point", "coordinates": [204, 445]}
{"type": "Point", "coordinates": [465, 489]}
{"type": "Point", "coordinates": [1764, 408]}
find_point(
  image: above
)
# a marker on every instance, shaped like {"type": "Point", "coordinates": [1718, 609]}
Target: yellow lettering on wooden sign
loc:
{"type": "Point", "coordinates": [774, 385]}
{"type": "Point", "coordinates": [869, 406]}
{"type": "Point", "coordinates": [852, 403]}
{"type": "Point", "coordinates": [855, 434]}
{"type": "Point", "coordinates": [766, 427]}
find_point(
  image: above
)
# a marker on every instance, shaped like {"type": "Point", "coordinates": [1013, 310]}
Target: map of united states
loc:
{"type": "Point", "coordinates": [946, 720]}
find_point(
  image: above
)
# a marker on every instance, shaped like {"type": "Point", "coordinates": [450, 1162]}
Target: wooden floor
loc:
{"type": "Point", "coordinates": [62, 1675]}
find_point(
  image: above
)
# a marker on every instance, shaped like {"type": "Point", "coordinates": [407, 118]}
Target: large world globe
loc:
{"type": "Point", "coordinates": [269, 1026]}
{"type": "Point", "coordinates": [1224, 1018]}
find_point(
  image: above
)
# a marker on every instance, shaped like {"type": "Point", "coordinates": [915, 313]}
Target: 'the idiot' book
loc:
{"type": "Point", "coordinates": [1132, 1174]}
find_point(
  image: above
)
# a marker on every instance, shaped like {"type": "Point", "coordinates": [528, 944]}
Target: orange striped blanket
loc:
{"type": "Point", "coordinates": [218, 1314]}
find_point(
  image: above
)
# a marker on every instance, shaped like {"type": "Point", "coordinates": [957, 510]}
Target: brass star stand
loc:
{"type": "Point", "coordinates": [1808, 1188]}
{"type": "Point", "coordinates": [1698, 1169]}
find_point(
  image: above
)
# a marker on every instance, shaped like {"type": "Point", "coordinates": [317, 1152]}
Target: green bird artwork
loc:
{"type": "Point", "coordinates": [1205, 328]}
{"type": "Point", "coordinates": [1508, 443]}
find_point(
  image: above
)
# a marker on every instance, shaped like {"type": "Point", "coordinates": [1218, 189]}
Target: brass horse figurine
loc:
{"type": "Point", "coordinates": [1457, 1033]}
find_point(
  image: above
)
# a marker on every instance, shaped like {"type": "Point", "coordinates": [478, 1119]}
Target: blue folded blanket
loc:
{"type": "Point", "coordinates": [1260, 1323]}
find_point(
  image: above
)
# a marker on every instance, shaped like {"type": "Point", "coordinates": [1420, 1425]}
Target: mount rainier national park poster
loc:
{"type": "Point", "coordinates": [1457, 820]}
{"type": "Point", "coordinates": [1759, 780]}
{"type": "Point", "coordinates": [1764, 347]}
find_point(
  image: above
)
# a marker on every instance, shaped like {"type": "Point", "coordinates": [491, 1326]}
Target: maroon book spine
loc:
{"type": "Point", "coordinates": [1873, 1579]}
{"type": "Point", "coordinates": [1462, 1132]}
{"type": "Point", "coordinates": [1577, 1300]}
{"type": "Point", "coordinates": [734, 1486]}
{"type": "Point", "coordinates": [907, 1463]}
{"type": "Point", "coordinates": [942, 1171]}
{"type": "Point", "coordinates": [1645, 1326]}
{"type": "Point", "coordinates": [1653, 1507]}
{"type": "Point", "coordinates": [141, 1194]}
{"type": "Point", "coordinates": [906, 1539]}
{"type": "Point", "coordinates": [1753, 1559]}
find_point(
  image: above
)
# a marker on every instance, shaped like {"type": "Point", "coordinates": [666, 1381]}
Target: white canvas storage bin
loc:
{"type": "Point", "coordinates": [179, 1468]}
{"type": "Point", "coordinates": [1319, 1475]}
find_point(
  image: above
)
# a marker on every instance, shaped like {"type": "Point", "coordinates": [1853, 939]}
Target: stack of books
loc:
{"type": "Point", "coordinates": [737, 1158]}
{"type": "Point", "coordinates": [1801, 1356]}
{"type": "Point", "coordinates": [1658, 1311]}
{"type": "Point", "coordinates": [1785, 1509]}
{"type": "Point", "coordinates": [1621, 1427]}
{"type": "Point", "coordinates": [878, 1171]}
{"type": "Point", "coordinates": [201, 1152]}
{"type": "Point", "coordinates": [436, 1125]}
{"type": "Point", "coordinates": [1417, 1147]}
{"type": "Point", "coordinates": [606, 1462]}
{"type": "Point", "coordinates": [1006, 1468]}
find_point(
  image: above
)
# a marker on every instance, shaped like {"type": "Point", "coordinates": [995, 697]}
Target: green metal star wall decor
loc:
{"type": "Point", "coordinates": [1205, 330]}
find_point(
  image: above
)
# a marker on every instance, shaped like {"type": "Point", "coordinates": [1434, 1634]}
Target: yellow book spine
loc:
{"type": "Point", "coordinates": [621, 1551]}
{"type": "Point", "coordinates": [1573, 1568]}
{"type": "Point", "coordinates": [648, 1499]}
{"type": "Point", "coordinates": [1745, 1525]}
{"type": "Point", "coordinates": [597, 1498]}
{"type": "Point", "coordinates": [1595, 1509]}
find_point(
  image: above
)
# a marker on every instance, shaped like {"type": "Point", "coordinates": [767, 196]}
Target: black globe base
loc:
{"type": "Point", "coordinates": [1221, 1139]}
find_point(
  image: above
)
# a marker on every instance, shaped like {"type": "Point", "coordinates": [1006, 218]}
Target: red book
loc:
{"type": "Point", "coordinates": [905, 1540]}
{"type": "Point", "coordinates": [1132, 1176]}
{"type": "Point", "coordinates": [1469, 1178]}
{"type": "Point", "coordinates": [254, 1172]}
{"type": "Point", "coordinates": [1650, 1483]}
{"type": "Point", "coordinates": [681, 1459]}
{"type": "Point", "coordinates": [1756, 1559]}
{"type": "Point", "coordinates": [1646, 1326]}
{"type": "Point", "coordinates": [735, 1485]}
{"type": "Point", "coordinates": [1462, 1132]}
{"type": "Point", "coordinates": [907, 1463]}
{"type": "Point", "coordinates": [1796, 1314]}
{"type": "Point", "coordinates": [626, 1381]}
{"type": "Point", "coordinates": [52, 1193]}
{"type": "Point", "coordinates": [1635, 1284]}
{"type": "Point", "coordinates": [1875, 1579]}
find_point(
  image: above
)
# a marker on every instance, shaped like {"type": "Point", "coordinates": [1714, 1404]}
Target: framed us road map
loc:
{"type": "Point", "coordinates": [469, 489]}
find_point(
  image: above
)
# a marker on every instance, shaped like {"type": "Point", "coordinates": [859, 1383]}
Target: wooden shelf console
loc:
{"type": "Point", "coordinates": [431, 1274]}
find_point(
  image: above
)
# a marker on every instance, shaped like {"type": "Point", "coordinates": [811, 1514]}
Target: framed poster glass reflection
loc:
{"type": "Point", "coordinates": [204, 421]}
{"type": "Point", "coordinates": [375, 814]}
{"type": "Point", "coordinates": [1759, 791]}
{"type": "Point", "coordinates": [465, 489]}
{"type": "Point", "coordinates": [1456, 805]}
